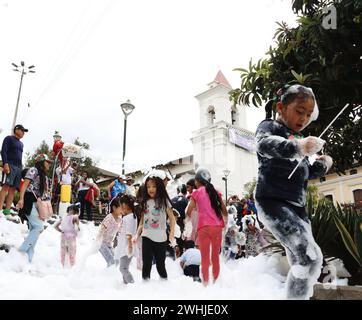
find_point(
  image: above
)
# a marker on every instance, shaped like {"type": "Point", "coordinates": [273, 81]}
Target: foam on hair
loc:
{"type": "Point", "coordinates": [298, 91]}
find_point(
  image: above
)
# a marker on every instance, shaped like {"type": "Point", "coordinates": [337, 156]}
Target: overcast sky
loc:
{"type": "Point", "coordinates": [91, 56]}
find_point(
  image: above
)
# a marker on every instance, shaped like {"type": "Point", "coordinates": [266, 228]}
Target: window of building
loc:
{"type": "Point", "coordinates": [353, 171]}
{"type": "Point", "coordinates": [211, 115]}
{"type": "Point", "coordinates": [329, 197]}
{"type": "Point", "coordinates": [322, 179]}
{"type": "Point", "coordinates": [234, 116]}
{"type": "Point", "coordinates": [357, 196]}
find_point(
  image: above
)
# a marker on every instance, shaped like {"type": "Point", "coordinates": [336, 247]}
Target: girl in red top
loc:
{"type": "Point", "coordinates": [212, 216]}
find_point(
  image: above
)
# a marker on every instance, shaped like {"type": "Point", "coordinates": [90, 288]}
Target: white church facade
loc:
{"type": "Point", "coordinates": [221, 144]}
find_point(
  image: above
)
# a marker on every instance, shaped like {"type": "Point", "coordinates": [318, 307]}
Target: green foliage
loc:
{"type": "Point", "coordinates": [324, 230]}
{"type": "Point", "coordinates": [43, 148]}
{"type": "Point", "coordinates": [350, 232]}
{"type": "Point", "coordinates": [313, 193]}
{"type": "Point", "coordinates": [337, 231]}
{"type": "Point", "coordinates": [326, 60]}
{"type": "Point", "coordinates": [249, 188]}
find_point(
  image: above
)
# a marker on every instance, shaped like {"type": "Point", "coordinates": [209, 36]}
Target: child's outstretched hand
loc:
{"type": "Point", "coordinates": [173, 242]}
{"type": "Point", "coordinates": [310, 145]}
{"type": "Point", "coordinates": [327, 160]}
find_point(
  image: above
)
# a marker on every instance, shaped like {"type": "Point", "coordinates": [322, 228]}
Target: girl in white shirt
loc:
{"type": "Point", "coordinates": [125, 249]}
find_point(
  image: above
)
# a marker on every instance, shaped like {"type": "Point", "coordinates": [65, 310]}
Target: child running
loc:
{"type": "Point", "coordinates": [69, 227]}
{"type": "Point", "coordinates": [281, 201]}
{"type": "Point", "coordinates": [125, 250]}
{"type": "Point", "coordinates": [109, 229]}
{"type": "Point", "coordinates": [156, 207]}
{"type": "Point", "coordinates": [212, 218]}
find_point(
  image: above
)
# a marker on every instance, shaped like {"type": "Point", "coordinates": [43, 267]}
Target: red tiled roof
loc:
{"type": "Point", "coordinates": [220, 78]}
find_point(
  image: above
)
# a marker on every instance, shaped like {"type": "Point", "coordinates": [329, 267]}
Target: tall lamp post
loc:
{"type": "Point", "coordinates": [23, 70]}
{"type": "Point", "coordinates": [127, 109]}
{"type": "Point", "coordinates": [225, 178]}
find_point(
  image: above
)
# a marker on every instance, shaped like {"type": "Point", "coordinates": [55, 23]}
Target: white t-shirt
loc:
{"type": "Point", "coordinates": [66, 178]}
{"type": "Point", "coordinates": [129, 227]}
{"type": "Point", "coordinates": [83, 186]}
{"type": "Point", "coordinates": [191, 256]}
{"type": "Point", "coordinates": [154, 222]}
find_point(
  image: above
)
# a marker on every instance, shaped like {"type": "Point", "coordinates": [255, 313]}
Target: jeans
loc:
{"type": "Point", "coordinates": [107, 253]}
{"type": "Point", "coordinates": [124, 268]}
{"type": "Point", "coordinates": [36, 227]}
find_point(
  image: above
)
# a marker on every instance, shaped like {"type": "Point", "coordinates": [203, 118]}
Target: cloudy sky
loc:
{"type": "Point", "coordinates": [91, 56]}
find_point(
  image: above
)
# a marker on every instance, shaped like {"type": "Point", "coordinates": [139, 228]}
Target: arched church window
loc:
{"type": "Point", "coordinates": [211, 115]}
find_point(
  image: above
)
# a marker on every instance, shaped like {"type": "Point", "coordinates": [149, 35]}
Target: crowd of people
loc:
{"type": "Point", "coordinates": [143, 222]}
{"type": "Point", "coordinates": [149, 222]}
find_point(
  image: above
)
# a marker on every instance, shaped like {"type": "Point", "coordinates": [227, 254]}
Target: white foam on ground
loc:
{"type": "Point", "coordinates": [45, 278]}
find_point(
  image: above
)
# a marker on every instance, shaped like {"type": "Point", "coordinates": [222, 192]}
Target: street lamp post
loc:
{"type": "Point", "coordinates": [24, 70]}
{"type": "Point", "coordinates": [225, 178]}
{"type": "Point", "coordinates": [127, 109]}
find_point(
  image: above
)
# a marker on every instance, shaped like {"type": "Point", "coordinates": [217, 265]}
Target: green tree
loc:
{"type": "Point", "coordinates": [328, 60]}
{"type": "Point", "coordinates": [43, 148]}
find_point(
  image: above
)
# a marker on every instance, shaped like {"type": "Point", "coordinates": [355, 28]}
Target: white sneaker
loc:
{"type": "Point", "coordinates": [13, 212]}
{"type": "Point", "coordinates": [12, 218]}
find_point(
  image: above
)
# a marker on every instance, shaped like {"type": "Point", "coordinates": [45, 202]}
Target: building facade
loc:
{"type": "Point", "coordinates": [346, 189]}
{"type": "Point", "coordinates": [222, 144]}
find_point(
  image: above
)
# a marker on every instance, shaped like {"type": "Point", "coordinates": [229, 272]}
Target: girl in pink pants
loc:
{"type": "Point", "coordinates": [69, 227]}
{"type": "Point", "coordinates": [212, 216]}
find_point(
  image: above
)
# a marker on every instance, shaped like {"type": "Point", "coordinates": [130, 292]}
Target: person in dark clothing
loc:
{"type": "Point", "coordinates": [180, 203]}
{"type": "Point", "coordinates": [11, 155]}
{"type": "Point", "coordinates": [234, 201]}
{"type": "Point", "coordinates": [281, 199]}
{"type": "Point", "coordinates": [83, 184]}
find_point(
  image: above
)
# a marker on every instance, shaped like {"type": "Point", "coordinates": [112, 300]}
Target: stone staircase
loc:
{"type": "Point", "coordinates": [97, 216]}
{"type": "Point", "coordinates": [337, 292]}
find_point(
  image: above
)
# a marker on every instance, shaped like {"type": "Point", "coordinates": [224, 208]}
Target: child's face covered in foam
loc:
{"type": "Point", "coordinates": [297, 114]}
